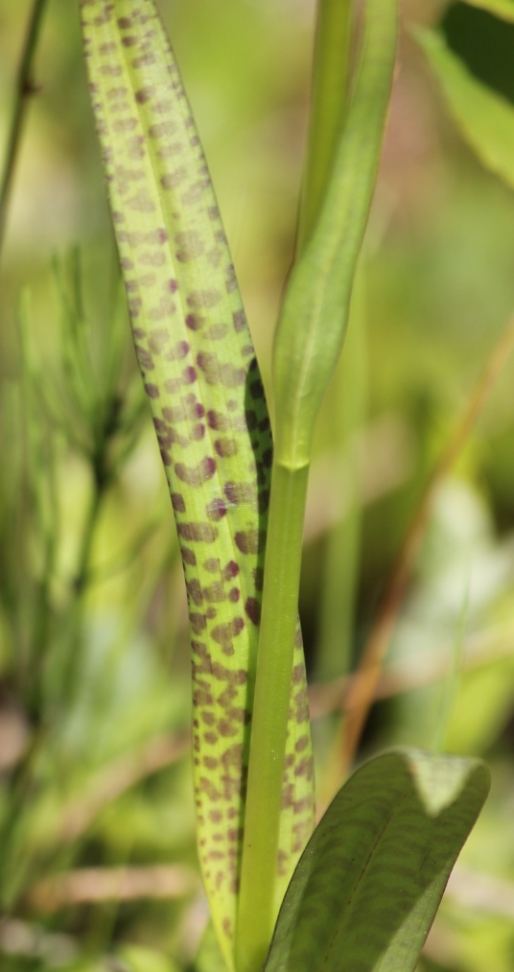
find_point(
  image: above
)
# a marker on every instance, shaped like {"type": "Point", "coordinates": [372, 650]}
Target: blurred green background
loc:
{"type": "Point", "coordinates": [97, 845]}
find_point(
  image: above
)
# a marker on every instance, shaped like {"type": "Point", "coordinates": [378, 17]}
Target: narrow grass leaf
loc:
{"type": "Point", "coordinates": [485, 119]}
{"type": "Point", "coordinates": [366, 889]}
{"type": "Point", "coordinates": [203, 384]}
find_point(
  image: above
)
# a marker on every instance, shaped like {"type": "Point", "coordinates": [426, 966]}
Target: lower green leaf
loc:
{"type": "Point", "coordinates": [366, 890]}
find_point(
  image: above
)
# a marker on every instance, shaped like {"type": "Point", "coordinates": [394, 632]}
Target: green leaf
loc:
{"type": "Point", "coordinates": [367, 887]}
{"type": "Point", "coordinates": [209, 957]}
{"type": "Point", "coordinates": [207, 400]}
{"type": "Point", "coordinates": [501, 8]}
{"type": "Point", "coordinates": [484, 119]}
{"type": "Point", "coordinates": [141, 959]}
{"type": "Point", "coordinates": [314, 316]}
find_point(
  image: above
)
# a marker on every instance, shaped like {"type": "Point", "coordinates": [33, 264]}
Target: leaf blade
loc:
{"type": "Point", "coordinates": [367, 887]}
{"type": "Point", "coordinates": [314, 313]}
{"type": "Point", "coordinates": [485, 119]}
{"type": "Point", "coordinates": [209, 411]}
{"type": "Point", "coordinates": [500, 8]}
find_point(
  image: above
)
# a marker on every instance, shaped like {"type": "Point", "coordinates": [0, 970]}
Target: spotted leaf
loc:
{"type": "Point", "coordinates": [203, 384]}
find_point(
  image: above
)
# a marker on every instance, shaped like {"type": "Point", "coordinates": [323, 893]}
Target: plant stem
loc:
{"type": "Point", "coordinates": [62, 677]}
{"type": "Point", "coordinates": [257, 898]}
{"type": "Point", "coordinates": [24, 89]}
{"type": "Point", "coordinates": [330, 89]}
{"type": "Point", "coordinates": [73, 658]}
{"type": "Point", "coordinates": [257, 909]}
{"type": "Point", "coordinates": [345, 409]}
{"type": "Point", "coordinates": [81, 573]}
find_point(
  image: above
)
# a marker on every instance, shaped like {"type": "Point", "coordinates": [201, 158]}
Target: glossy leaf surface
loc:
{"type": "Point", "coordinates": [368, 885]}
{"type": "Point", "coordinates": [203, 384]}
{"type": "Point", "coordinates": [485, 119]}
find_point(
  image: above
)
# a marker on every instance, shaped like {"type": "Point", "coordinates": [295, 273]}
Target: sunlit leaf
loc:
{"type": "Point", "coordinates": [367, 887]}
{"type": "Point", "coordinates": [501, 8]}
{"type": "Point", "coordinates": [485, 119]}
{"type": "Point", "coordinates": [210, 416]}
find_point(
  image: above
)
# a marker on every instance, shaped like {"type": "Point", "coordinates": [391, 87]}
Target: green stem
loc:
{"type": "Point", "coordinates": [330, 90]}
{"type": "Point", "coordinates": [62, 677]}
{"type": "Point", "coordinates": [339, 589]}
{"type": "Point", "coordinates": [73, 659]}
{"type": "Point", "coordinates": [24, 88]}
{"type": "Point", "coordinates": [257, 898]}
{"type": "Point", "coordinates": [257, 911]}
{"type": "Point", "coordinates": [345, 409]}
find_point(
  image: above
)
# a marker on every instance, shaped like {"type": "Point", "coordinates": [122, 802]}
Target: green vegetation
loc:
{"type": "Point", "coordinates": [97, 822]}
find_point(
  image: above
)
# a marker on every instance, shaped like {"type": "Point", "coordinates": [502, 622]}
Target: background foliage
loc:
{"type": "Point", "coordinates": [98, 862]}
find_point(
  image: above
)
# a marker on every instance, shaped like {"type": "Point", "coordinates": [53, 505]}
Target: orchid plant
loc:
{"type": "Point", "coordinates": [361, 889]}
